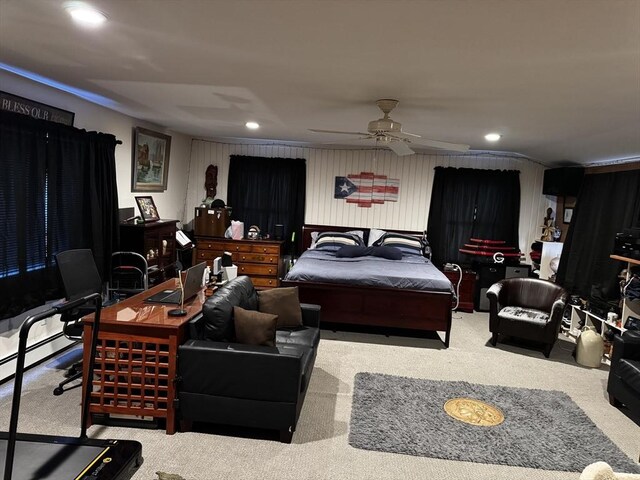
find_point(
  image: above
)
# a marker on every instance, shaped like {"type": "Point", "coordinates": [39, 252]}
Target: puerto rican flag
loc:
{"type": "Point", "coordinates": [365, 188]}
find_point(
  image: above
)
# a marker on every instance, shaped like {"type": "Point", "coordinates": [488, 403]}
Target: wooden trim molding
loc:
{"type": "Point", "coordinates": [620, 167]}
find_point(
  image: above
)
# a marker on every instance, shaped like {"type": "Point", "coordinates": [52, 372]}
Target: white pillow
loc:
{"type": "Point", "coordinates": [314, 237]}
{"type": "Point", "coordinates": [375, 234]}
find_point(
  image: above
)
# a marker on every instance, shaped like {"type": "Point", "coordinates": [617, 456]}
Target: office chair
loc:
{"type": "Point", "coordinates": [129, 275]}
{"type": "Point", "coordinates": [80, 277]}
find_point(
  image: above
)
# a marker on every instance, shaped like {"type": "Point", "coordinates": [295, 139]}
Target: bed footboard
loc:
{"type": "Point", "coordinates": [381, 307]}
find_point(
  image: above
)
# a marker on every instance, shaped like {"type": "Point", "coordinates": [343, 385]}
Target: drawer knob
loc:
{"type": "Point", "coordinates": [270, 271]}
{"type": "Point", "coordinates": [237, 248]}
{"type": "Point", "coordinates": [244, 258]}
{"type": "Point", "coordinates": [264, 250]}
{"type": "Point", "coordinates": [242, 269]}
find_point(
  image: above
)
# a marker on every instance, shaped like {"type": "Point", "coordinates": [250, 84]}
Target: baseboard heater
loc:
{"type": "Point", "coordinates": [7, 366]}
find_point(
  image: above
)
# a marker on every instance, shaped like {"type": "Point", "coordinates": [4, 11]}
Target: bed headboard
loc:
{"type": "Point", "coordinates": [307, 229]}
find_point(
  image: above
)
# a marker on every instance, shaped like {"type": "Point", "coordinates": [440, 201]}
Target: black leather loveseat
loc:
{"type": "Point", "coordinates": [624, 376]}
{"type": "Point", "coordinates": [226, 382]}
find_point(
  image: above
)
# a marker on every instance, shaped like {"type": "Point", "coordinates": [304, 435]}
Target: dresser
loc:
{"type": "Point", "coordinates": [262, 260]}
{"type": "Point", "coordinates": [155, 241]}
{"type": "Point", "coordinates": [467, 287]}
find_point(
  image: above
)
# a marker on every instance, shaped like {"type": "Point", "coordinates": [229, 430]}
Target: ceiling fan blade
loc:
{"type": "Point", "coordinates": [408, 134]}
{"type": "Point", "coordinates": [456, 147]}
{"type": "Point", "coordinates": [336, 131]}
{"type": "Point", "coordinates": [400, 148]}
{"type": "Point", "coordinates": [347, 141]}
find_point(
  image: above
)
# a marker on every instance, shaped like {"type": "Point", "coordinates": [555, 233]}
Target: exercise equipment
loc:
{"type": "Point", "coordinates": [50, 457]}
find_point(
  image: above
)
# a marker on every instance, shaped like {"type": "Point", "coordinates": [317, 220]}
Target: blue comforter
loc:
{"type": "Point", "coordinates": [411, 272]}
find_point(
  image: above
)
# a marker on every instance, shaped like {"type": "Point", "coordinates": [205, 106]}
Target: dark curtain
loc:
{"type": "Point", "coordinates": [268, 191]}
{"type": "Point", "coordinates": [83, 194]}
{"type": "Point", "coordinates": [607, 204]}
{"type": "Point", "coordinates": [58, 192]}
{"type": "Point", "coordinates": [23, 259]}
{"type": "Point", "coordinates": [471, 203]}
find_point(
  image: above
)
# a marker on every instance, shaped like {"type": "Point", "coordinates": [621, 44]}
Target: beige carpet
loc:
{"type": "Point", "coordinates": [320, 449]}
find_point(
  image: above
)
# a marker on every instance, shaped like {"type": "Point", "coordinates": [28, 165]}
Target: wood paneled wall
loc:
{"type": "Point", "coordinates": [415, 172]}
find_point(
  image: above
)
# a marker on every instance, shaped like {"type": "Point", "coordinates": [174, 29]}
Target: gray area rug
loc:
{"type": "Point", "coordinates": [542, 429]}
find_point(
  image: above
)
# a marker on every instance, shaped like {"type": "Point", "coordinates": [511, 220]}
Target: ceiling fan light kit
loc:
{"type": "Point", "coordinates": [388, 133]}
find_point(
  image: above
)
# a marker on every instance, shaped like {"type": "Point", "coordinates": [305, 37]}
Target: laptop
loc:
{"type": "Point", "coordinates": [192, 285]}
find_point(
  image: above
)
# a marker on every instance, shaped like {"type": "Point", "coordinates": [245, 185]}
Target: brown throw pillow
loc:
{"type": "Point", "coordinates": [255, 328]}
{"type": "Point", "coordinates": [283, 302]}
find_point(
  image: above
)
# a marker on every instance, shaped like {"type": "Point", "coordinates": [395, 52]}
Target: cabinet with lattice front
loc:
{"type": "Point", "coordinates": [131, 377]}
{"type": "Point", "coordinates": [135, 369]}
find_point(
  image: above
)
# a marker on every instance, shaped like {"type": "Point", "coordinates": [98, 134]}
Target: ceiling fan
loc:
{"type": "Point", "coordinates": [388, 133]}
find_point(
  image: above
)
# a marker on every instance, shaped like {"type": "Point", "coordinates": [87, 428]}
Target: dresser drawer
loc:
{"type": "Point", "coordinates": [257, 258]}
{"type": "Point", "coordinates": [257, 269]}
{"type": "Point", "coordinates": [265, 282]}
{"type": "Point", "coordinates": [268, 249]}
{"type": "Point", "coordinates": [208, 245]}
{"type": "Point", "coordinates": [202, 255]}
{"type": "Point", "coordinates": [236, 247]}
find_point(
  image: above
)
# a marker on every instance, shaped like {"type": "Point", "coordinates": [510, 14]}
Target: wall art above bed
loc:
{"type": "Point", "coordinates": [366, 188]}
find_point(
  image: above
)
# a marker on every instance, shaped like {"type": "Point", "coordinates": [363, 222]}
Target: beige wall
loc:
{"type": "Point", "coordinates": [415, 173]}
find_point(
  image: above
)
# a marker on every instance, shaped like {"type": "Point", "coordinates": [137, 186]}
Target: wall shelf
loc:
{"type": "Point", "coordinates": [630, 308]}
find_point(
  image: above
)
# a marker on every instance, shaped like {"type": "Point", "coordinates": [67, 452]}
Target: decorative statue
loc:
{"type": "Point", "coordinates": [210, 184]}
{"type": "Point", "coordinates": [548, 229]}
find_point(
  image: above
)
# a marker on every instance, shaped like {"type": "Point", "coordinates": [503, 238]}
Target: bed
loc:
{"type": "Point", "coordinates": [407, 293]}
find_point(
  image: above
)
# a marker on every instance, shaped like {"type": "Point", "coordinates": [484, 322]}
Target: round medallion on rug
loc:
{"type": "Point", "coordinates": [474, 412]}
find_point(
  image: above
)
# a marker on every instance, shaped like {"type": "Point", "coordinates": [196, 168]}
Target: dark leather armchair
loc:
{"type": "Point", "coordinates": [624, 375]}
{"type": "Point", "coordinates": [527, 308]}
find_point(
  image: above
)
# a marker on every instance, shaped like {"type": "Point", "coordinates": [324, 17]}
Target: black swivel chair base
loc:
{"type": "Point", "coordinates": [73, 373]}
{"type": "Point", "coordinates": [59, 390]}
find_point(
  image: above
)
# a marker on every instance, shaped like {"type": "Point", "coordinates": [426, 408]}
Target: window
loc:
{"type": "Point", "coordinates": [58, 192]}
{"type": "Point", "coordinates": [469, 202]}
{"type": "Point", "coordinates": [268, 191]}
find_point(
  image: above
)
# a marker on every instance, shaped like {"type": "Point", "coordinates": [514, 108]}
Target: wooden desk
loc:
{"type": "Point", "coordinates": [135, 365]}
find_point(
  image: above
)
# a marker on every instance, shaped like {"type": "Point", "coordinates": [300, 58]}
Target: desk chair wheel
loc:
{"type": "Point", "coordinates": [58, 391]}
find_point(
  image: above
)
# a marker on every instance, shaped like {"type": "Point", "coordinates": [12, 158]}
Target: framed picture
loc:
{"type": "Point", "coordinates": [150, 162]}
{"type": "Point", "coordinates": [147, 209]}
{"type": "Point", "coordinates": [568, 214]}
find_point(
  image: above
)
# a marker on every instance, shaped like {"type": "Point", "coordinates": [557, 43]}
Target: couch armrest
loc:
{"type": "Point", "coordinates": [557, 308]}
{"type": "Point", "coordinates": [310, 315]}
{"type": "Point", "coordinates": [626, 345]}
{"type": "Point", "coordinates": [195, 326]}
{"type": "Point", "coordinates": [240, 371]}
{"type": "Point", "coordinates": [495, 295]}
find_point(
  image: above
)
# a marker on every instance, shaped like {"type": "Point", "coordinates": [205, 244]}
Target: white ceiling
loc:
{"type": "Point", "coordinates": [560, 79]}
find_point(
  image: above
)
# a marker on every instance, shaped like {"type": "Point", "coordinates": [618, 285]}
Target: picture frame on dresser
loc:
{"type": "Point", "coordinates": [147, 209]}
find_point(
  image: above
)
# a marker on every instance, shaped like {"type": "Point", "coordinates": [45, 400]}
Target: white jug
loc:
{"type": "Point", "coordinates": [590, 348]}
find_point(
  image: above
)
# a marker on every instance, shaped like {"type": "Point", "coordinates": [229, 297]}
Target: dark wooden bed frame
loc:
{"type": "Point", "coordinates": [375, 306]}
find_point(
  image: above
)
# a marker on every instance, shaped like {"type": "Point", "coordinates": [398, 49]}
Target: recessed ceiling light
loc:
{"type": "Point", "coordinates": [84, 14]}
{"type": "Point", "coordinates": [252, 125]}
{"type": "Point", "coordinates": [492, 137]}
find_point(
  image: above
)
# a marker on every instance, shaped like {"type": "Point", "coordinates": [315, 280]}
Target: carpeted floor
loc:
{"type": "Point", "coordinates": [541, 428]}
{"type": "Point", "coordinates": [320, 448]}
